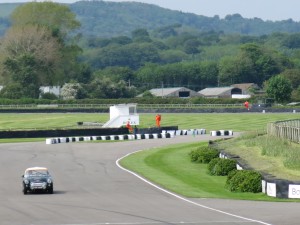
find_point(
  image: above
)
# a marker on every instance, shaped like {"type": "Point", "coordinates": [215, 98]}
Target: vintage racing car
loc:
{"type": "Point", "coordinates": [37, 179]}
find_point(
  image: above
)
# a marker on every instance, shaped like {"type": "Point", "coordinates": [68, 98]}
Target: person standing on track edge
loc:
{"type": "Point", "coordinates": [129, 127]}
{"type": "Point", "coordinates": [158, 119]}
{"type": "Point", "coordinates": [246, 104]}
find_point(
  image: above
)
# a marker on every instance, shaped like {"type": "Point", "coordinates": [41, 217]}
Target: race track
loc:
{"type": "Point", "coordinates": [90, 189]}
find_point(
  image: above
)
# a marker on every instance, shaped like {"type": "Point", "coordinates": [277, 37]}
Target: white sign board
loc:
{"type": "Point", "coordinates": [294, 191]}
{"type": "Point", "coordinates": [271, 189]}
{"type": "Point", "coordinates": [263, 186]}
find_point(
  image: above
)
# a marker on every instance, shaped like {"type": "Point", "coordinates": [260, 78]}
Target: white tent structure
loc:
{"type": "Point", "coordinates": [121, 114]}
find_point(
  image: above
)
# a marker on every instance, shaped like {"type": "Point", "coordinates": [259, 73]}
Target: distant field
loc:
{"type": "Point", "coordinates": [208, 121]}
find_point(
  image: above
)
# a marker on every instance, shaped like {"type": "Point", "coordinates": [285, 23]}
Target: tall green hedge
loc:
{"type": "Point", "coordinates": [244, 181]}
{"type": "Point", "coordinates": [221, 167]}
{"type": "Point", "coordinates": [155, 100]}
{"type": "Point", "coordinates": [204, 154]}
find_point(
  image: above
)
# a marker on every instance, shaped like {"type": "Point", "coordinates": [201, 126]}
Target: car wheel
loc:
{"type": "Point", "coordinates": [50, 191]}
{"type": "Point", "coordinates": [24, 191]}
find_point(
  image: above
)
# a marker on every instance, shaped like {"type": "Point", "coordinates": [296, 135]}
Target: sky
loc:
{"type": "Point", "coordinates": [265, 9]}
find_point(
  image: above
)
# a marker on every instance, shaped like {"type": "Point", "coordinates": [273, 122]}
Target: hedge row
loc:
{"type": "Point", "coordinates": [221, 167]}
{"type": "Point", "coordinates": [237, 180]}
{"type": "Point", "coordinates": [244, 181]}
{"type": "Point", "coordinates": [195, 100]}
{"type": "Point", "coordinates": [204, 154]}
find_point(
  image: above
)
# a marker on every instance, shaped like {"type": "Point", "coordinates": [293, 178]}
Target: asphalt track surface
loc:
{"type": "Point", "coordinates": [91, 189]}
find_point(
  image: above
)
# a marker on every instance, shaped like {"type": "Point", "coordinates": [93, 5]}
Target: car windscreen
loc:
{"type": "Point", "coordinates": [37, 173]}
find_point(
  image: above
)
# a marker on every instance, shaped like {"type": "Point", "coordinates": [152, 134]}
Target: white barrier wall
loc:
{"type": "Point", "coordinates": [164, 134]}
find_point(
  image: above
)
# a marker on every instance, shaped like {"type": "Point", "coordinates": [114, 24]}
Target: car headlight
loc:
{"type": "Point", "coordinates": [49, 181]}
{"type": "Point", "coordinates": [26, 181]}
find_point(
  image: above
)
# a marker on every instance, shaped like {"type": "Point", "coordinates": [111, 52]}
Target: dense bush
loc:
{"type": "Point", "coordinates": [244, 181]}
{"type": "Point", "coordinates": [204, 154]}
{"type": "Point", "coordinates": [199, 100]}
{"type": "Point", "coordinates": [49, 96]}
{"type": "Point", "coordinates": [221, 167]}
{"type": "Point", "coordinates": [154, 100]}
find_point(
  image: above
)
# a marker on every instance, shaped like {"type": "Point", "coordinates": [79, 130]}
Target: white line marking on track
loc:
{"type": "Point", "coordinates": [181, 198]}
{"type": "Point", "coordinates": [145, 223]}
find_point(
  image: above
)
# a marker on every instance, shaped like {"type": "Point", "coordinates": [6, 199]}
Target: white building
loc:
{"type": "Point", "coordinates": [178, 92]}
{"type": "Point", "coordinates": [50, 89]}
{"type": "Point", "coordinates": [122, 114]}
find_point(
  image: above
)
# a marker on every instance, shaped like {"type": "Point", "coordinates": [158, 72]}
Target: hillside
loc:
{"type": "Point", "coordinates": [108, 19]}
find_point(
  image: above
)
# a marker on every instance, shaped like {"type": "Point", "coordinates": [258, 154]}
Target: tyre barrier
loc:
{"type": "Point", "coordinates": [108, 138]}
{"type": "Point", "coordinates": [164, 134]}
{"type": "Point", "coordinates": [221, 133]}
{"type": "Point", "coordinates": [189, 132]}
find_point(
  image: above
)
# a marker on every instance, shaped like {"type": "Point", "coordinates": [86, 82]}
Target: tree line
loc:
{"type": "Point", "coordinates": [43, 47]}
{"type": "Point", "coordinates": [121, 18]}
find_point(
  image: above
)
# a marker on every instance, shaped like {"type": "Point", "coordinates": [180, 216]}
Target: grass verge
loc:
{"type": "Point", "coordinates": [171, 168]}
{"type": "Point", "coordinates": [267, 154]}
{"type": "Point", "coordinates": [210, 121]}
{"type": "Point", "coordinates": [20, 140]}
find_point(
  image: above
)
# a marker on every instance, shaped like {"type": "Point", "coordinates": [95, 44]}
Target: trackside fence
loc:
{"type": "Point", "coordinates": [288, 129]}
{"type": "Point", "coordinates": [106, 106]}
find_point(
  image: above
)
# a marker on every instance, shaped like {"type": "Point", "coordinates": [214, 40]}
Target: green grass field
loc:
{"type": "Point", "coordinates": [208, 121]}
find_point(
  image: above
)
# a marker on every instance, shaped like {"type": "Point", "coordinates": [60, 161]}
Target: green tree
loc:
{"type": "Point", "coordinates": [72, 91]}
{"type": "Point", "coordinates": [194, 75]}
{"type": "Point", "coordinates": [296, 94]}
{"type": "Point", "coordinates": [191, 46]}
{"type": "Point", "coordinates": [167, 31]}
{"type": "Point", "coordinates": [209, 74]}
{"type": "Point", "coordinates": [58, 18]}
{"type": "Point", "coordinates": [132, 55]}
{"type": "Point", "coordinates": [266, 63]}
{"type": "Point", "coordinates": [253, 64]}
{"type": "Point", "coordinates": [279, 88]}
{"type": "Point", "coordinates": [292, 41]}
{"type": "Point", "coordinates": [32, 49]}
{"type": "Point", "coordinates": [12, 91]}
{"type": "Point", "coordinates": [234, 70]}
{"type": "Point", "coordinates": [59, 22]}
{"type": "Point", "coordinates": [105, 88]}
{"type": "Point", "coordinates": [172, 56]}
{"type": "Point", "coordinates": [148, 94]}
{"type": "Point", "coordinates": [116, 74]}
{"type": "Point", "coordinates": [140, 35]}
{"type": "Point", "coordinates": [23, 73]}
{"type": "Point", "coordinates": [293, 76]}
